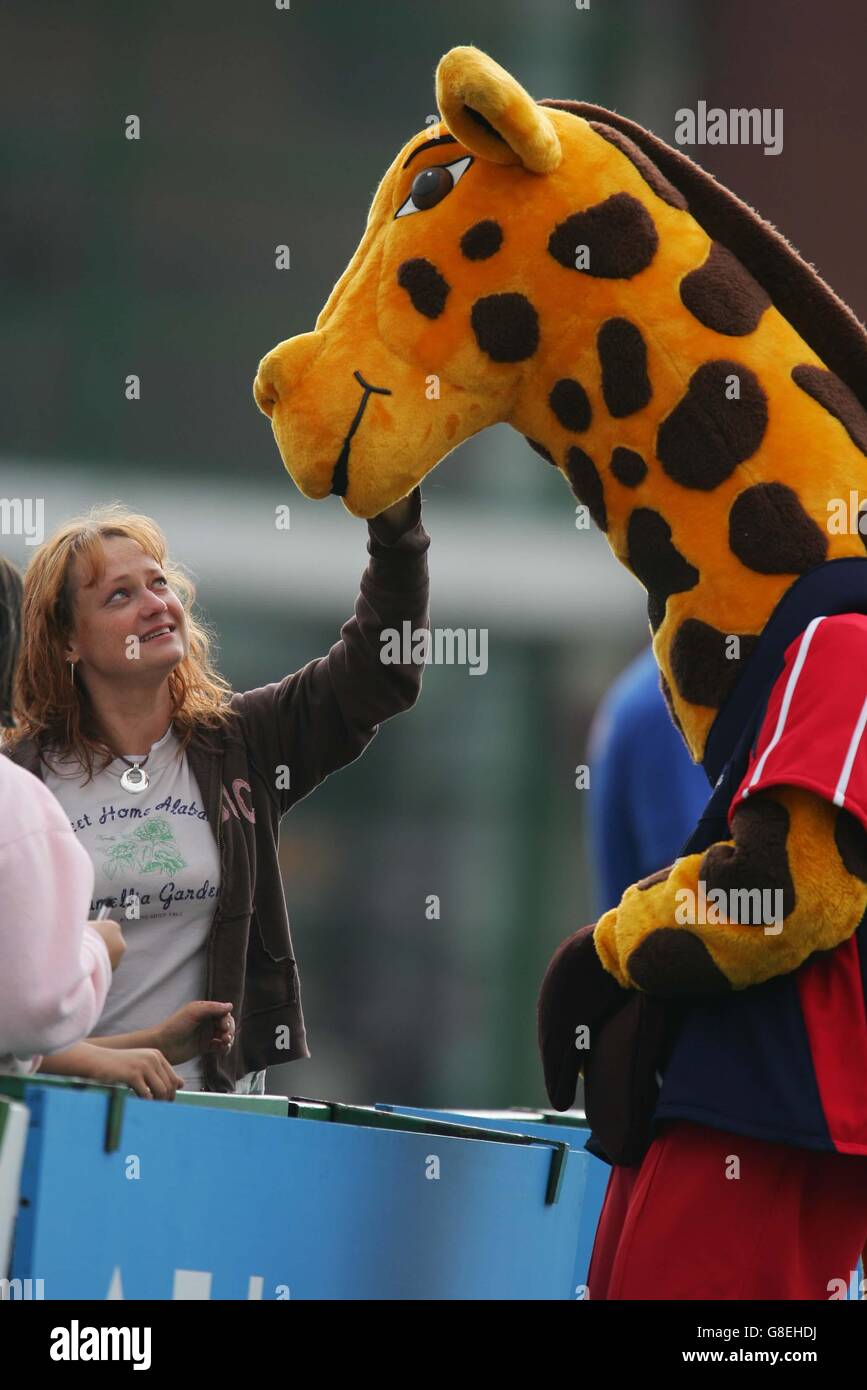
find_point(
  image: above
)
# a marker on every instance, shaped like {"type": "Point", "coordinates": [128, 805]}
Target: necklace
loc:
{"type": "Point", "coordinates": [135, 779]}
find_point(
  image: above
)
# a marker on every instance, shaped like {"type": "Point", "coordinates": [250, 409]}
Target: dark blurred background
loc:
{"type": "Point", "coordinates": [261, 127]}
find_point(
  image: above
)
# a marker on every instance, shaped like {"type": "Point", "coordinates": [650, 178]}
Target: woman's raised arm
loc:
{"type": "Point", "coordinates": [322, 717]}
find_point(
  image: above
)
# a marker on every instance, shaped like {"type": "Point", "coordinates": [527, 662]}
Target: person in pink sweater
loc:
{"type": "Point", "coordinates": [55, 966]}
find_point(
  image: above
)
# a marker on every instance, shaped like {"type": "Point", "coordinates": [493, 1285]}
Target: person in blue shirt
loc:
{"type": "Point", "coordinates": [646, 792]}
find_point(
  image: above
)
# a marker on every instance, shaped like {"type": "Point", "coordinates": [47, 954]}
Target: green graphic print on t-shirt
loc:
{"type": "Point", "coordinates": [149, 849]}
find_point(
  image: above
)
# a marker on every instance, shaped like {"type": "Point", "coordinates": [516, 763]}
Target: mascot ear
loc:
{"type": "Point", "coordinates": [489, 112]}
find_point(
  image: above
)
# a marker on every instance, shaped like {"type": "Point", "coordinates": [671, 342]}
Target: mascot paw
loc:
{"type": "Point", "coordinates": [577, 993]}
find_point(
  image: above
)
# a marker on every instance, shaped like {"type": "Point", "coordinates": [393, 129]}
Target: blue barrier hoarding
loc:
{"type": "Point", "coordinates": [208, 1203]}
{"type": "Point", "coordinates": [596, 1172]}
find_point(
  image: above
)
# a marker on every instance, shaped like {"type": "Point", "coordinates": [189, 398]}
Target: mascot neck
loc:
{"type": "Point", "coordinates": [684, 446]}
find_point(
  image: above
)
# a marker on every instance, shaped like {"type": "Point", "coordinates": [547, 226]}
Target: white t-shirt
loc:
{"type": "Point", "coordinates": [154, 845]}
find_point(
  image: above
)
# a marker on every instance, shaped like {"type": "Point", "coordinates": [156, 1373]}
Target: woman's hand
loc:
{"type": "Point", "coordinates": [200, 1027]}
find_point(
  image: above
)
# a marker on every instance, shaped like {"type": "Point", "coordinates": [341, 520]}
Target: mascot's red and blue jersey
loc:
{"type": "Point", "coordinates": [788, 1060]}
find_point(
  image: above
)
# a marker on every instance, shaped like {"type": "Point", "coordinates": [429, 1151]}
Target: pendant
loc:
{"type": "Point", "coordinates": [135, 779]}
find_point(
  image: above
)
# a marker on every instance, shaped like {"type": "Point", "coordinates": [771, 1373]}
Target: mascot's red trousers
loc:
{"type": "Point", "coordinates": [682, 1225]}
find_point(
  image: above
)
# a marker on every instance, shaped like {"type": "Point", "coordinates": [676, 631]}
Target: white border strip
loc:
{"type": "Point", "coordinates": [787, 700]}
{"type": "Point", "coordinates": [840, 793]}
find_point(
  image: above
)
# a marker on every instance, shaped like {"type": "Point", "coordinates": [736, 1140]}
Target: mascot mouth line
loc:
{"type": "Point", "coordinates": [340, 476]}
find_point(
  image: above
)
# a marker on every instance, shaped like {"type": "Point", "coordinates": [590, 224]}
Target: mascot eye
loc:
{"type": "Point", "coordinates": [430, 186]}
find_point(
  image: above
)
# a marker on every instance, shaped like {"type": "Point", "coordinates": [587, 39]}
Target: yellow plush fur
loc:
{"type": "Point", "coordinates": [546, 165]}
{"type": "Point", "coordinates": [829, 904]}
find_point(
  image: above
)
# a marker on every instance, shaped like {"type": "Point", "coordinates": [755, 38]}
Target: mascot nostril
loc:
{"type": "Point", "coordinates": [265, 393]}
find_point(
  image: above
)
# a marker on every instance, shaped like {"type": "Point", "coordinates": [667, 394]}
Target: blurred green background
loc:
{"type": "Point", "coordinates": [156, 257]}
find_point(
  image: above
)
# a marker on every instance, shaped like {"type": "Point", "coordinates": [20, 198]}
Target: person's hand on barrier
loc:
{"type": "Point", "coordinates": [113, 937]}
{"type": "Point", "coordinates": [577, 996]}
{"type": "Point", "coordinates": [144, 1069]}
{"type": "Point", "coordinates": [199, 1027]}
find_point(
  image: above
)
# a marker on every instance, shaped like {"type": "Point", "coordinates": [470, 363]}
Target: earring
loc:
{"type": "Point", "coordinates": [72, 671]}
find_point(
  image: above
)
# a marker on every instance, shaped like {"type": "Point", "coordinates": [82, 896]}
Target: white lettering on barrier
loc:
{"type": "Point", "coordinates": [192, 1284]}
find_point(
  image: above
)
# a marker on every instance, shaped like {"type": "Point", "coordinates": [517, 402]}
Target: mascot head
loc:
{"type": "Point", "coordinates": [555, 266]}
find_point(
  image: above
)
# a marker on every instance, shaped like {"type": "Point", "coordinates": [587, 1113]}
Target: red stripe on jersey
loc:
{"type": "Point", "coordinates": [814, 734]}
{"type": "Point", "coordinates": [832, 1003]}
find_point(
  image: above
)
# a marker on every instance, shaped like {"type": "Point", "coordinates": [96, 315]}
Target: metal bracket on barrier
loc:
{"type": "Point", "coordinates": [114, 1121]}
{"type": "Point", "coordinates": [558, 1168]}
{"type": "Point", "coordinates": [16, 1088]}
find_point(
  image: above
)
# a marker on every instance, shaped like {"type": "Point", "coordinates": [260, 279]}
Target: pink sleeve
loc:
{"type": "Point", "coordinates": [54, 968]}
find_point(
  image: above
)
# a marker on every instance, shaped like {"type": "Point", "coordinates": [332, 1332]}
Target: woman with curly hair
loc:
{"type": "Point", "coordinates": [176, 786]}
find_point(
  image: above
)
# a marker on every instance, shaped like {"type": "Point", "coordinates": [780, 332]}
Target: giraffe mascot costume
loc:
{"type": "Point", "coordinates": [558, 267]}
